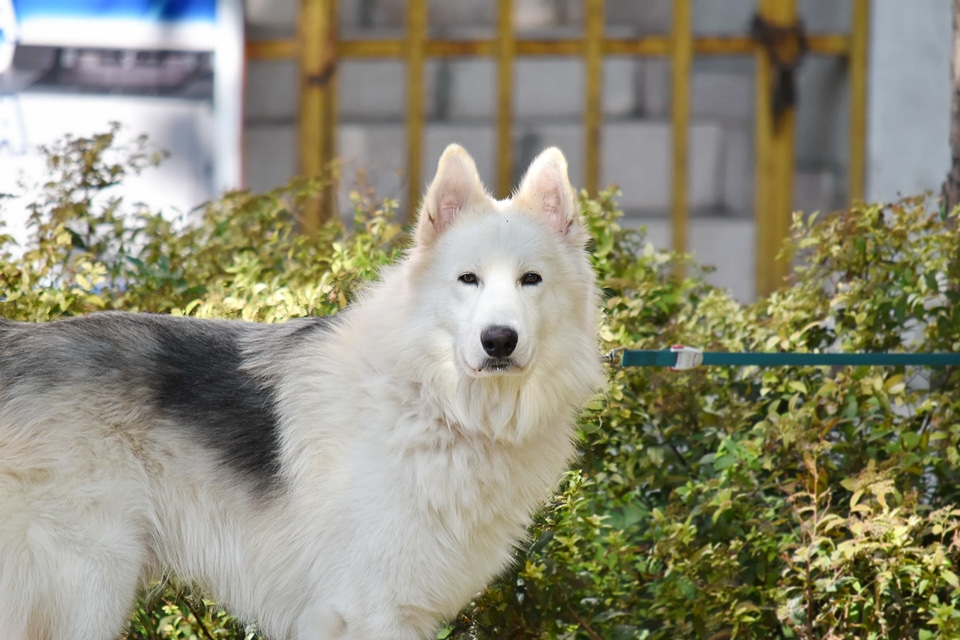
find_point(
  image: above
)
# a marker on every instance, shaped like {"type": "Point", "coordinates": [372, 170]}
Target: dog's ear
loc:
{"type": "Point", "coordinates": [547, 190]}
{"type": "Point", "coordinates": [456, 186]}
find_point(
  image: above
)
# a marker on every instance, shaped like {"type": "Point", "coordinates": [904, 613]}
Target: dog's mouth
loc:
{"type": "Point", "coordinates": [499, 365]}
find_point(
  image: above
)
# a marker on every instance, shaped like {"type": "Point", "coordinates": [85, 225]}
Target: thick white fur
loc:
{"type": "Point", "coordinates": [410, 472]}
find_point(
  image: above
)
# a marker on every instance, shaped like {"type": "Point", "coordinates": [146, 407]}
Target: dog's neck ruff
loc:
{"type": "Point", "coordinates": [503, 409]}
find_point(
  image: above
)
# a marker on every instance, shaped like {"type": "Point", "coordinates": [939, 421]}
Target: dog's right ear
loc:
{"type": "Point", "coordinates": [456, 186]}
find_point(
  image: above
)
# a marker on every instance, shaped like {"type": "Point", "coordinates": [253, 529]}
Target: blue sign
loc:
{"type": "Point", "coordinates": [142, 10]}
{"type": "Point", "coordinates": [121, 24]}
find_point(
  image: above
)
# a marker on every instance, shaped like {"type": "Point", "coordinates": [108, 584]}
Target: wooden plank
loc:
{"type": "Point", "coordinates": [839, 45]}
{"type": "Point", "coordinates": [681, 59]}
{"type": "Point", "coordinates": [317, 38]}
{"type": "Point", "coordinates": [645, 46]}
{"type": "Point", "coordinates": [506, 53]}
{"type": "Point", "coordinates": [371, 48]}
{"type": "Point", "coordinates": [272, 49]}
{"type": "Point", "coordinates": [774, 168]}
{"type": "Point", "coordinates": [594, 19]}
{"type": "Point", "coordinates": [414, 54]}
{"type": "Point", "coordinates": [858, 97]}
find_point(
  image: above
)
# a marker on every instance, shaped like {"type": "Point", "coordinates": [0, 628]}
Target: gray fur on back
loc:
{"type": "Point", "coordinates": [196, 374]}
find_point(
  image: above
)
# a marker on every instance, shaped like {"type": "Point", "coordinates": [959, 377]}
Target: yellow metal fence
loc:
{"type": "Point", "coordinates": [318, 48]}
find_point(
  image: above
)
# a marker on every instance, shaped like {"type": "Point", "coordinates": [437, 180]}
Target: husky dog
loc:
{"type": "Point", "coordinates": [354, 477]}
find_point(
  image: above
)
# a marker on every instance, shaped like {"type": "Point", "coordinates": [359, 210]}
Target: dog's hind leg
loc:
{"type": "Point", "coordinates": [72, 554]}
{"type": "Point", "coordinates": [69, 595]}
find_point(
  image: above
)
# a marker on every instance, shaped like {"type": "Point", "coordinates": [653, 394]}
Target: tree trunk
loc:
{"type": "Point", "coordinates": [951, 188]}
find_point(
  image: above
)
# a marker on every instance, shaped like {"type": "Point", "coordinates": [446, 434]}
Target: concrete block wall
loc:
{"type": "Point", "coordinates": [460, 106]}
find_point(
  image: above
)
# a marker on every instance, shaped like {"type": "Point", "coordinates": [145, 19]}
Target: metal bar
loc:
{"type": "Point", "coordinates": [506, 53]}
{"type": "Point", "coordinates": [272, 49]}
{"type": "Point", "coordinates": [665, 358]}
{"type": "Point", "coordinates": [838, 45]}
{"type": "Point", "coordinates": [317, 38]}
{"type": "Point", "coordinates": [371, 48]}
{"type": "Point", "coordinates": [643, 47]}
{"type": "Point", "coordinates": [681, 59]}
{"type": "Point", "coordinates": [460, 48]}
{"type": "Point", "coordinates": [860, 26]}
{"type": "Point", "coordinates": [829, 45]}
{"type": "Point", "coordinates": [774, 169]}
{"type": "Point", "coordinates": [594, 19]}
{"type": "Point", "coordinates": [565, 47]}
{"type": "Point", "coordinates": [414, 53]}
{"type": "Point", "coordinates": [329, 200]}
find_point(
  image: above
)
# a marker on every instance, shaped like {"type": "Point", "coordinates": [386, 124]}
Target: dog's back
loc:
{"type": "Point", "coordinates": [121, 437]}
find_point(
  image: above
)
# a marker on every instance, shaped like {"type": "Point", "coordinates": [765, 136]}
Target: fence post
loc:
{"type": "Point", "coordinates": [415, 54]}
{"type": "Point", "coordinates": [774, 168]}
{"type": "Point", "coordinates": [317, 118]}
{"type": "Point", "coordinates": [857, 65]}
{"type": "Point", "coordinates": [594, 20]}
{"type": "Point", "coordinates": [681, 58]}
{"type": "Point", "coordinates": [506, 53]}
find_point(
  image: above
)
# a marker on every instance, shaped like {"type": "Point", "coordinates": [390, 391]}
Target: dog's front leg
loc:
{"type": "Point", "coordinates": [322, 622]}
{"type": "Point", "coordinates": [325, 622]}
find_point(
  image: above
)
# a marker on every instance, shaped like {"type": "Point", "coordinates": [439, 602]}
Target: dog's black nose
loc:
{"type": "Point", "coordinates": [498, 342]}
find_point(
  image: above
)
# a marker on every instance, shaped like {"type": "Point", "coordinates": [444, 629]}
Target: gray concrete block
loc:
{"type": "Point", "coordinates": [548, 88]}
{"type": "Point", "coordinates": [444, 14]}
{"type": "Point", "coordinates": [372, 161]}
{"type": "Point", "coordinates": [654, 88]}
{"type": "Point", "coordinates": [825, 16]}
{"type": "Point", "coordinates": [465, 89]}
{"type": "Point", "coordinates": [725, 96]}
{"type": "Point", "coordinates": [372, 90]}
{"type": "Point", "coordinates": [705, 165]}
{"type": "Point", "coordinates": [462, 89]}
{"type": "Point", "coordinates": [270, 156]}
{"type": "Point", "coordinates": [728, 245]}
{"type": "Point", "coordinates": [365, 15]}
{"type": "Point", "coordinates": [270, 18]}
{"type": "Point", "coordinates": [730, 17]}
{"type": "Point", "coordinates": [823, 113]}
{"type": "Point", "coordinates": [817, 191]}
{"type": "Point", "coordinates": [541, 16]}
{"type": "Point", "coordinates": [738, 168]}
{"type": "Point", "coordinates": [647, 17]}
{"type": "Point", "coordinates": [272, 91]}
{"type": "Point", "coordinates": [621, 93]}
{"type": "Point", "coordinates": [636, 156]}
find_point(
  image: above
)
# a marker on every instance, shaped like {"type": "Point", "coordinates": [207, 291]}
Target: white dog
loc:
{"type": "Point", "coordinates": [360, 476]}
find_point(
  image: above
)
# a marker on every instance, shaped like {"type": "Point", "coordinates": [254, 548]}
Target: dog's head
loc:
{"type": "Point", "coordinates": [507, 278]}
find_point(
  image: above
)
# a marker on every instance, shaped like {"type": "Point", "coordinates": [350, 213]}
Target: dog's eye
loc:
{"type": "Point", "coordinates": [530, 277]}
{"type": "Point", "coordinates": [468, 278]}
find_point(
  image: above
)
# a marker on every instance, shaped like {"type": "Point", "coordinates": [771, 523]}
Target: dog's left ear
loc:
{"type": "Point", "coordinates": [456, 187]}
{"type": "Point", "coordinates": [547, 190]}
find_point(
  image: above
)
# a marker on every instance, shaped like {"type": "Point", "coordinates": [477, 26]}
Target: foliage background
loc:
{"type": "Point", "coordinates": [796, 502]}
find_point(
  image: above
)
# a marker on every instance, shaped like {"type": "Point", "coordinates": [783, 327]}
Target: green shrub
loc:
{"type": "Point", "coordinates": [796, 502]}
